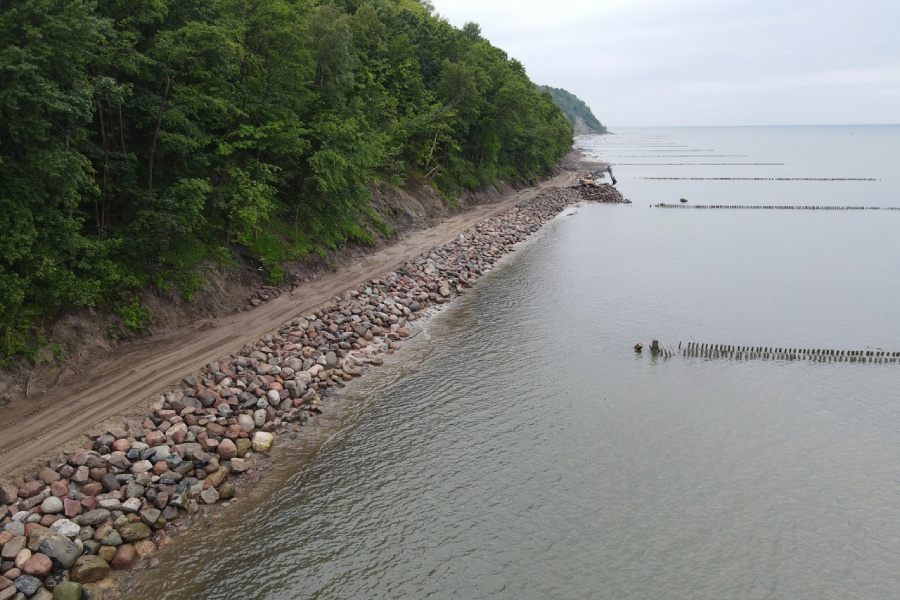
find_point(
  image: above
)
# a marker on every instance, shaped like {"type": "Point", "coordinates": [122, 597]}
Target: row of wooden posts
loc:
{"type": "Point", "coordinates": [761, 178]}
{"type": "Point", "coordinates": [769, 207]}
{"type": "Point", "coordinates": [699, 350]}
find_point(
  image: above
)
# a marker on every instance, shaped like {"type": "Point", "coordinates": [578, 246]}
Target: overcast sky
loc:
{"type": "Point", "coordinates": [705, 62]}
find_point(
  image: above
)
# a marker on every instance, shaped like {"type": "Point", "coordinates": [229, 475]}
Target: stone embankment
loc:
{"type": "Point", "coordinates": [104, 507]}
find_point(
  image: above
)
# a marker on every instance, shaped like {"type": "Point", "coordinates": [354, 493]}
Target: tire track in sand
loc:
{"type": "Point", "coordinates": [78, 403]}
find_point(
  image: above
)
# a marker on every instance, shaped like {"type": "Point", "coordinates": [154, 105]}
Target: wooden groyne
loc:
{"type": "Point", "coordinates": [768, 207]}
{"type": "Point", "coordinates": [696, 164]}
{"type": "Point", "coordinates": [760, 178]}
{"type": "Point", "coordinates": [822, 355]}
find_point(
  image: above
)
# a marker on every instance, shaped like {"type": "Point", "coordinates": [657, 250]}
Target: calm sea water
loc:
{"type": "Point", "coordinates": [521, 449]}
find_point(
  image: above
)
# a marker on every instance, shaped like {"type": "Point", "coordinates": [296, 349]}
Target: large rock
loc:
{"type": "Point", "coordinates": [226, 492]}
{"type": "Point", "coordinates": [66, 527]}
{"type": "Point", "coordinates": [43, 594]}
{"type": "Point", "coordinates": [8, 493]}
{"type": "Point", "coordinates": [28, 585]}
{"type": "Point", "coordinates": [69, 590]}
{"type": "Point", "coordinates": [52, 506]}
{"type": "Point", "coordinates": [13, 547]}
{"type": "Point", "coordinates": [124, 559]}
{"type": "Point", "coordinates": [246, 421]}
{"type": "Point", "coordinates": [37, 536]}
{"type": "Point", "coordinates": [110, 483]}
{"type": "Point", "coordinates": [39, 565]}
{"type": "Point", "coordinates": [89, 568]}
{"type": "Point", "coordinates": [227, 449]}
{"type": "Point", "coordinates": [142, 466]}
{"type": "Point", "coordinates": [94, 517]}
{"type": "Point", "coordinates": [113, 538]}
{"type": "Point", "coordinates": [22, 557]}
{"type": "Point", "coordinates": [239, 465]}
{"type": "Point", "coordinates": [107, 553]}
{"type": "Point", "coordinates": [156, 438]}
{"type": "Point", "coordinates": [31, 488]}
{"type": "Point", "coordinates": [145, 548]}
{"type": "Point", "coordinates": [262, 441]}
{"type": "Point", "coordinates": [61, 550]}
{"type": "Point", "coordinates": [89, 459]}
{"type": "Point", "coordinates": [48, 475]}
{"type": "Point", "coordinates": [150, 516]}
{"type": "Point", "coordinates": [243, 446]}
{"type": "Point", "coordinates": [210, 495]}
{"type": "Point", "coordinates": [71, 508]}
{"type": "Point", "coordinates": [216, 478]}
{"type": "Point", "coordinates": [131, 532]}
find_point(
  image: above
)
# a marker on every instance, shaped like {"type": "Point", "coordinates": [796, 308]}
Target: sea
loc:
{"type": "Point", "coordinates": [519, 447]}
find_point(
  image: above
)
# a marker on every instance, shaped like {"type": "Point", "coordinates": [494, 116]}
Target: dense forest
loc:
{"type": "Point", "coordinates": [578, 113]}
{"type": "Point", "coordinates": [141, 138]}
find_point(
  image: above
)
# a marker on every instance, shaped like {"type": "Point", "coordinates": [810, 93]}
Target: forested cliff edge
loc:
{"type": "Point", "coordinates": [138, 139]}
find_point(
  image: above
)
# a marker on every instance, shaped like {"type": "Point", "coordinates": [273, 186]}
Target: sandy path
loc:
{"type": "Point", "coordinates": [33, 430]}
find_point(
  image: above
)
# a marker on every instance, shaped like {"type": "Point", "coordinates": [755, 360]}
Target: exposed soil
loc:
{"type": "Point", "coordinates": [102, 381]}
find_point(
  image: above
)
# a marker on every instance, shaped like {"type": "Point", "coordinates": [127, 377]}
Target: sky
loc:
{"type": "Point", "coordinates": [705, 62]}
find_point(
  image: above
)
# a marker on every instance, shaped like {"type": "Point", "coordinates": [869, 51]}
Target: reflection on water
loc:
{"type": "Point", "coordinates": [521, 449]}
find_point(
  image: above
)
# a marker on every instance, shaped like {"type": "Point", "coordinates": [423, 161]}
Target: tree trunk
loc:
{"type": "Point", "coordinates": [159, 118]}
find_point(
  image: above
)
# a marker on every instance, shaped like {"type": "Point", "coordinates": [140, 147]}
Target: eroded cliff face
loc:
{"type": "Point", "coordinates": [81, 338]}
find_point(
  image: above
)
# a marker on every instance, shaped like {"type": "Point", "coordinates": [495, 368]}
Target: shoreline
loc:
{"type": "Point", "coordinates": [88, 396]}
{"type": "Point", "coordinates": [115, 501]}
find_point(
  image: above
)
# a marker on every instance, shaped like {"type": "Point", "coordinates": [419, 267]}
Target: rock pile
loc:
{"type": "Point", "coordinates": [263, 294]}
{"type": "Point", "coordinates": [604, 193]}
{"type": "Point", "coordinates": [100, 507]}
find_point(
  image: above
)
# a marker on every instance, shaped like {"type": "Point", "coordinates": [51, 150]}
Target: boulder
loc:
{"type": "Point", "coordinates": [112, 538]}
{"type": "Point", "coordinates": [262, 441]}
{"type": "Point", "coordinates": [66, 527]}
{"type": "Point", "coordinates": [28, 585]}
{"type": "Point", "coordinates": [107, 553]}
{"type": "Point", "coordinates": [259, 417]}
{"type": "Point", "coordinates": [216, 478]}
{"type": "Point", "coordinates": [132, 532]}
{"type": "Point", "coordinates": [39, 565]}
{"type": "Point", "coordinates": [124, 558]}
{"type": "Point", "coordinates": [226, 492]}
{"type": "Point", "coordinates": [22, 557]}
{"type": "Point", "coordinates": [48, 475]}
{"type": "Point", "coordinates": [30, 489]}
{"type": "Point", "coordinates": [52, 506]}
{"type": "Point", "coordinates": [69, 590]}
{"type": "Point", "coordinates": [243, 446]}
{"type": "Point", "coordinates": [246, 421]}
{"type": "Point", "coordinates": [239, 465]}
{"type": "Point", "coordinates": [8, 493]}
{"type": "Point", "coordinates": [156, 438]}
{"type": "Point", "coordinates": [61, 550]}
{"type": "Point", "coordinates": [94, 517]}
{"type": "Point", "coordinates": [145, 548]}
{"type": "Point", "coordinates": [89, 568]}
{"type": "Point", "coordinates": [209, 495]}
{"type": "Point", "coordinates": [13, 547]}
{"type": "Point", "coordinates": [227, 449]}
{"type": "Point", "coordinates": [36, 537]}
{"type": "Point", "coordinates": [71, 508]}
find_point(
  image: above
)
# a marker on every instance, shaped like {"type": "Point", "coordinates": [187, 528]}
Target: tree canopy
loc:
{"type": "Point", "coordinates": [139, 138]}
